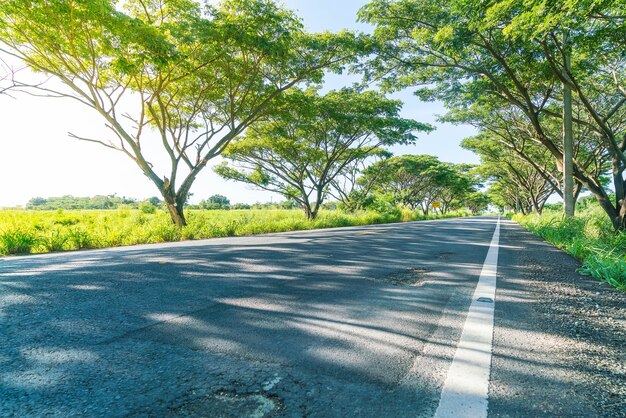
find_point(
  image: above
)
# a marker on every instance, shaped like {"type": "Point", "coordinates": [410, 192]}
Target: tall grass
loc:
{"type": "Point", "coordinates": [589, 237]}
{"type": "Point", "coordinates": [18, 241]}
{"type": "Point", "coordinates": [23, 231]}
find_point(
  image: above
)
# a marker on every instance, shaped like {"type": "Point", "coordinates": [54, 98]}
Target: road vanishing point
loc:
{"type": "Point", "coordinates": [446, 318]}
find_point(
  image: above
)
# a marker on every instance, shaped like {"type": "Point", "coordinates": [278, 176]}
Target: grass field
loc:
{"type": "Point", "coordinates": [589, 237]}
{"type": "Point", "coordinates": [25, 232]}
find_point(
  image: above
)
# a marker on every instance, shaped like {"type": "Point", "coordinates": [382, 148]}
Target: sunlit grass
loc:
{"type": "Point", "coordinates": [25, 232]}
{"type": "Point", "coordinates": [589, 237]}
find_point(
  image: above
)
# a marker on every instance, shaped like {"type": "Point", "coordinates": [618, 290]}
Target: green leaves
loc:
{"type": "Point", "coordinates": [418, 180]}
{"type": "Point", "coordinates": [509, 57]}
{"type": "Point", "coordinates": [309, 141]}
{"type": "Point", "coordinates": [200, 75]}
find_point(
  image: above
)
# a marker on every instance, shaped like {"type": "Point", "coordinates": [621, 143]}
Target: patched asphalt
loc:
{"type": "Point", "coordinates": [357, 321]}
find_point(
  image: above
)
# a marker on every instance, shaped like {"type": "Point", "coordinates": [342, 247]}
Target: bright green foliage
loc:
{"type": "Point", "coordinates": [23, 232]}
{"type": "Point", "coordinates": [419, 180]}
{"type": "Point", "coordinates": [520, 183]}
{"type": "Point", "coordinates": [188, 77]}
{"type": "Point", "coordinates": [217, 201]}
{"type": "Point", "coordinates": [589, 237]}
{"type": "Point", "coordinates": [477, 202]}
{"type": "Point", "coordinates": [147, 207]}
{"type": "Point", "coordinates": [313, 139]}
{"type": "Point", "coordinates": [71, 202]}
{"type": "Point", "coordinates": [351, 190]}
{"type": "Point", "coordinates": [459, 182]}
{"type": "Point", "coordinates": [509, 55]}
{"type": "Point", "coordinates": [17, 241]}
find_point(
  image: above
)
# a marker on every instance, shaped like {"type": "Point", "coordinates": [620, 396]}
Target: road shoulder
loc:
{"type": "Point", "coordinates": [559, 338]}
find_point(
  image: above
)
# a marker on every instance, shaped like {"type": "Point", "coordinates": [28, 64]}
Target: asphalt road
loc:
{"type": "Point", "coordinates": [346, 322]}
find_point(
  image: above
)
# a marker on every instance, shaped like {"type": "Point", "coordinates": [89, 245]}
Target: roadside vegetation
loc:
{"type": "Point", "coordinates": [27, 231]}
{"type": "Point", "coordinates": [589, 237]}
{"type": "Point", "coordinates": [243, 80]}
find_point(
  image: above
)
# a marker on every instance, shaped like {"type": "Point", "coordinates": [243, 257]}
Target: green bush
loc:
{"type": "Point", "coordinates": [147, 208]}
{"type": "Point", "coordinates": [17, 241]}
{"type": "Point", "coordinates": [79, 239]}
{"type": "Point", "coordinates": [54, 240]}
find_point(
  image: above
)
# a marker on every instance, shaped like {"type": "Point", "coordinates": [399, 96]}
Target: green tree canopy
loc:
{"type": "Point", "coordinates": [216, 201]}
{"type": "Point", "coordinates": [515, 182]}
{"type": "Point", "coordinates": [194, 77]}
{"type": "Point", "coordinates": [511, 53]}
{"type": "Point", "coordinates": [419, 180]}
{"type": "Point", "coordinates": [313, 139]}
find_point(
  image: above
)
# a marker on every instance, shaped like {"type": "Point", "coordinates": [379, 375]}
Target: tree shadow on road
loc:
{"type": "Point", "coordinates": [137, 330]}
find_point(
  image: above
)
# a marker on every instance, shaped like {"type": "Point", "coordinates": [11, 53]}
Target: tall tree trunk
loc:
{"type": "Point", "coordinates": [174, 204]}
{"type": "Point", "coordinates": [310, 213]}
{"type": "Point", "coordinates": [617, 214]}
{"type": "Point", "coordinates": [522, 208]}
{"type": "Point", "coordinates": [568, 137]}
{"type": "Point", "coordinates": [535, 205]}
{"type": "Point", "coordinates": [176, 213]}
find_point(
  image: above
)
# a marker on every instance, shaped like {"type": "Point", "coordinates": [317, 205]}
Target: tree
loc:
{"type": "Point", "coordinates": [313, 139]}
{"type": "Point", "coordinates": [477, 202]}
{"type": "Point", "coordinates": [458, 183]}
{"type": "Point", "coordinates": [351, 189]}
{"type": "Point", "coordinates": [194, 78]}
{"type": "Point", "coordinates": [412, 180]}
{"type": "Point", "coordinates": [241, 206]}
{"type": "Point", "coordinates": [520, 184]}
{"type": "Point", "coordinates": [510, 53]}
{"type": "Point", "coordinates": [154, 201]}
{"type": "Point", "coordinates": [217, 201]}
{"type": "Point", "coordinates": [506, 127]}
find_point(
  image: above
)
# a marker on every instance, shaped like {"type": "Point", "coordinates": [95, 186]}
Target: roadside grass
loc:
{"type": "Point", "coordinates": [27, 232]}
{"type": "Point", "coordinates": [589, 237]}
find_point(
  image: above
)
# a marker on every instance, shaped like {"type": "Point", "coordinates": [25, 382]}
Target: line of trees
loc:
{"type": "Point", "coordinates": [194, 76]}
{"type": "Point", "coordinates": [303, 149]}
{"type": "Point", "coordinates": [418, 182]}
{"type": "Point", "coordinates": [71, 202]}
{"type": "Point", "coordinates": [241, 79]}
{"type": "Point", "coordinates": [422, 182]}
{"type": "Point", "coordinates": [238, 79]}
{"type": "Point", "coordinates": [504, 66]}
{"type": "Point", "coordinates": [150, 205]}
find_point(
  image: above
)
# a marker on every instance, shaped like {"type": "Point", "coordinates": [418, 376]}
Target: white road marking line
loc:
{"type": "Point", "coordinates": [465, 391]}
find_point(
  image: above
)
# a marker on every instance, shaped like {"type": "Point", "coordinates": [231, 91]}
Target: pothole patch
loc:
{"type": "Point", "coordinates": [408, 277]}
{"type": "Point", "coordinates": [225, 404]}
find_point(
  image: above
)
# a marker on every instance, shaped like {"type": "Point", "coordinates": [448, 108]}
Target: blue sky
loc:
{"type": "Point", "coordinates": [39, 159]}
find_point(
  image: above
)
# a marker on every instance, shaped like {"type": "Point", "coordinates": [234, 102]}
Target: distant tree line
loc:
{"type": "Point", "coordinates": [81, 203]}
{"type": "Point", "coordinates": [150, 205]}
{"type": "Point", "coordinates": [221, 202]}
